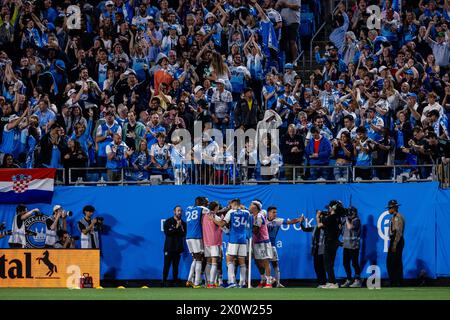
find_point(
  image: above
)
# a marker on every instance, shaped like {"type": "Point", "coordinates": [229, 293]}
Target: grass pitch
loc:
{"type": "Point", "coordinates": [292, 293]}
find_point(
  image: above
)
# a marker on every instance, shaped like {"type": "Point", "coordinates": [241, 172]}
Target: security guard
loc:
{"type": "Point", "coordinates": [397, 243]}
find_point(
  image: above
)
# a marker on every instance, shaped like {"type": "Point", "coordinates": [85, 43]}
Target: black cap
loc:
{"type": "Point", "coordinates": [392, 204]}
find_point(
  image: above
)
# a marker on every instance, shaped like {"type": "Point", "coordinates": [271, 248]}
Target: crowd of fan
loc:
{"type": "Point", "coordinates": [111, 93]}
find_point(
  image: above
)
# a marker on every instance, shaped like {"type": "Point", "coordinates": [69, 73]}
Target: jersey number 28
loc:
{"type": "Point", "coordinates": [192, 215]}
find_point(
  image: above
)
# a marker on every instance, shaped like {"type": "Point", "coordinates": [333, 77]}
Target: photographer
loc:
{"type": "Point", "coordinates": [352, 239]}
{"type": "Point", "coordinates": [17, 238]}
{"type": "Point", "coordinates": [54, 223]}
{"type": "Point", "coordinates": [65, 240]}
{"type": "Point", "coordinates": [331, 222]}
{"type": "Point", "coordinates": [89, 229]}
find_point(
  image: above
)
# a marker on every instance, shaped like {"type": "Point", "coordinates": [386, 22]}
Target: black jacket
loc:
{"type": "Point", "coordinates": [174, 236]}
{"type": "Point", "coordinates": [245, 117]}
{"type": "Point", "coordinates": [46, 147]}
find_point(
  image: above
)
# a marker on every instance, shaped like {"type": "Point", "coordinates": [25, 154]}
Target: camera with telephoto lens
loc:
{"type": "Point", "coordinates": [75, 238]}
{"type": "Point", "coordinates": [2, 226]}
{"type": "Point", "coordinates": [69, 213]}
{"type": "Point", "coordinates": [340, 210]}
{"type": "Point", "coordinates": [38, 213]}
{"type": "Point", "coordinates": [99, 224]}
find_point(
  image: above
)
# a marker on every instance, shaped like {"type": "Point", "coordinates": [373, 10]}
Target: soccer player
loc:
{"type": "Point", "coordinates": [262, 249]}
{"type": "Point", "coordinates": [212, 240]}
{"type": "Point", "coordinates": [273, 225]}
{"type": "Point", "coordinates": [194, 239]}
{"type": "Point", "coordinates": [239, 221]}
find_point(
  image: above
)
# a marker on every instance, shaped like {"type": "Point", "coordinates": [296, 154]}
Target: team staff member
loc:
{"type": "Point", "coordinates": [175, 231]}
{"type": "Point", "coordinates": [89, 232]}
{"type": "Point", "coordinates": [396, 244]}
{"type": "Point", "coordinates": [54, 223]}
{"type": "Point", "coordinates": [317, 247]}
{"type": "Point", "coordinates": [18, 236]}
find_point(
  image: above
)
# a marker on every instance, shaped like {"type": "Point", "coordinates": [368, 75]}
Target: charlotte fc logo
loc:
{"type": "Point", "coordinates": [36, 225]}
{"type": "Point", "coordinates": [21, 182]}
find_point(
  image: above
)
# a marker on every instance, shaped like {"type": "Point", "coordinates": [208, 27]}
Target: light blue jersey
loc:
{"type": "Point", "coordinates": [194, 221]}
{"type": "Point", "coordinates": [273, 227]}
{"type": "Point", "coordinates": [240, 222]}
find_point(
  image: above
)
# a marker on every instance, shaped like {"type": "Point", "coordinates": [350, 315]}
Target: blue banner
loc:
{"type": "Point", "coordinates": [132, 248]}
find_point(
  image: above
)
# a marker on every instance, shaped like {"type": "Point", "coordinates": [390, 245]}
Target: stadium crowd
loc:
{"type": "Point", "coordinates": [111, 93]}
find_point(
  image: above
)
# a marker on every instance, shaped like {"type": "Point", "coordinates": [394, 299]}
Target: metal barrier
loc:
{"type": "Point", "coordinates": [236, 174]}
{"type": "Point", "coordinates": [443, 172]}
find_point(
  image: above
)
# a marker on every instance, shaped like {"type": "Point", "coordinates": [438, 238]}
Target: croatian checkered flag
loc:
{"type": "Point", "coordinates": [27, 185]}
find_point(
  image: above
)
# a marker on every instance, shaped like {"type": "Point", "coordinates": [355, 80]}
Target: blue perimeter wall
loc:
{"type": "Point", "coordinates": [133, 247]}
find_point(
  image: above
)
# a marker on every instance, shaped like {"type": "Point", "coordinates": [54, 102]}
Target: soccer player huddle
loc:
{"type": "Point", "coordinates": [251, 232]}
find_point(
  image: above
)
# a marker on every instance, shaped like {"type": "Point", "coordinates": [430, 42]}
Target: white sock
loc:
{"type": "Point", "coordinates": [220, 279]}
{"type": "Point", "coordinates": [207, 273]}
{"type": "Point", "coordinates": [231, 276]}
{"type": "Point", "coordinates": [243, 274]}
{"type": "Point", "coordinates": [213, 272]}
{"type": "Point", "coordinates": [268, 279]}
{"type": "Point", "coordinates": [198, 273]}
{"type": "Point", "coordinates": [277, 274]}
{"type": "Point", "coordinates": [191, 272]}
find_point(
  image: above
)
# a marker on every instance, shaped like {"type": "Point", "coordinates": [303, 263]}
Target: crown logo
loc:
{"type": "Point", "coordinates": [40, 235]}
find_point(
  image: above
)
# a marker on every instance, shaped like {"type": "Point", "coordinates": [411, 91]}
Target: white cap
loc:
{"type": "Point", "coordinates": [129, 71]}
{"type": "Point", "coordinates": [56, 207]}
{"type": "Point", "coordinates": [109, 3]}
{"type": "Point", "coordinates": [220, 81]}
{"type": "Point", "coordinates": [13, 117]}
{"type": "Point", "coordinates": [198, 88]}
{"type": "Point", "coordinates": [209, 15]}
{"type": "Point", "coordinates": [382, 68]}
{"type": "Point", "coordinates": [71, 91]}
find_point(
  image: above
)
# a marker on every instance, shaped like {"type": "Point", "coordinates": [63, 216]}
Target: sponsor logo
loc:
{"type": "Point", "coordinates": [383, 229]}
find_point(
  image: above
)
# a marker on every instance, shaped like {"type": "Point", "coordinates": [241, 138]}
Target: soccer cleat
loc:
{"type": "Point", "coordinates": [197, 287]}
{"type": "Point", "coordinates": [211, 286]}
{"type": "Point", "coordinates": [356, 284]}
{"type": "Point", "coordinates": [324, 286]}
{"type": "Point", "coordinates": [279, 285]}
{"type": "Point", "coordinates": [189, 284]}
{"type": "Point", "coordinates": [242, 286]}
{"type": "Point", "coordinates": [231, 285]}
{"type": "Point", "coordinates": [346, 284]}
{"type": "Point", "coordinates": [268, 286]}
{"type": "Point", "coordinates": [261, 285]}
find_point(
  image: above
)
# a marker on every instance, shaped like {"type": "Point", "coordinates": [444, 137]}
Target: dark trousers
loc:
{"type": "Point", "coordinates": [15, 245]}
{"type": "Point", "coordinates": [319, 268]}
{"type": "Point", "coordinates": [351, 257]}
{"type": "Point", "coordinates": [395, 264]}
{"type": "Point", "coordinates": [171, 259]}
{"type": "Point", "coordinates": [328, 258]}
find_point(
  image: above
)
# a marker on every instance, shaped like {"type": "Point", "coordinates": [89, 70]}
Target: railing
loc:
{"type": "Point", "coordinates": [236, 174]}
{"type": "Point", "coordinates": [311, 47]}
